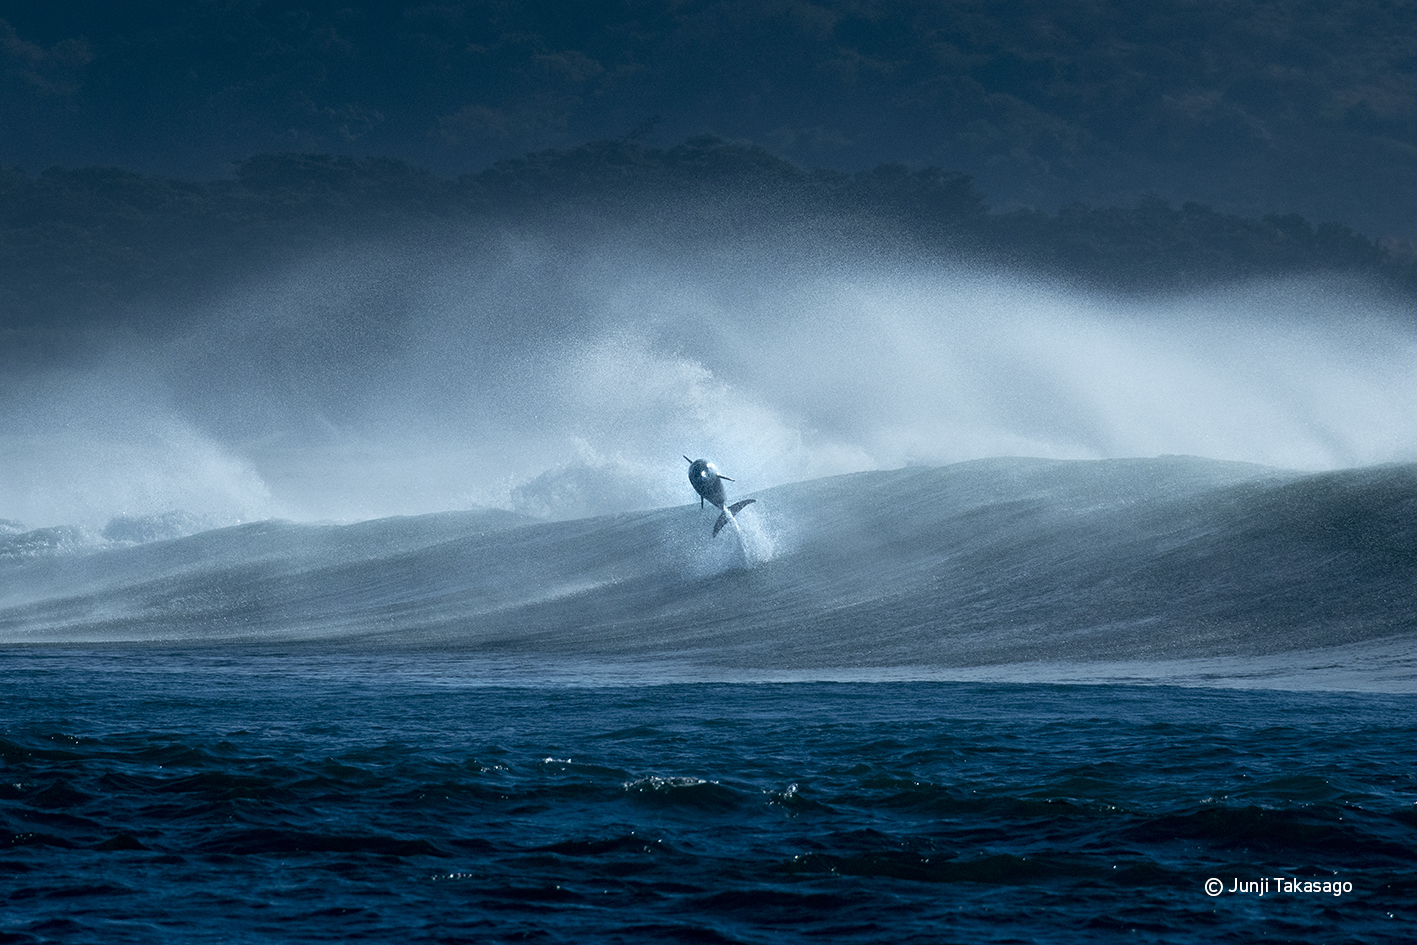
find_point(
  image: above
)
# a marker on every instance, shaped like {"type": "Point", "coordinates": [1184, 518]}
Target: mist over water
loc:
{"type": "Point", "coordinates": [515, 373]}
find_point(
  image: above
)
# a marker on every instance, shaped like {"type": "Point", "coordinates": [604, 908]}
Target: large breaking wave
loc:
{"type": "Point", "coordinates": [977, 563]}
{"type": "Point", "coordinates": [522, 401]}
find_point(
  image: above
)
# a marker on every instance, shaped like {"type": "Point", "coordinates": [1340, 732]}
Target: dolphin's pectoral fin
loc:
{"type": "Point", "coordinates": [733, 509]}
{"type": "Point", "coordinates": [701, 503]}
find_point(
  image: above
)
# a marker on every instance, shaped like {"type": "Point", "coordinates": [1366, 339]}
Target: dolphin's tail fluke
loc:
{"type": "Point", "coordinates": [733, 509]}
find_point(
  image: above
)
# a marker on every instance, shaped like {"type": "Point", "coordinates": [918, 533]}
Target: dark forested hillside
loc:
{"type": "Point", "coordinates": [1255, 108]}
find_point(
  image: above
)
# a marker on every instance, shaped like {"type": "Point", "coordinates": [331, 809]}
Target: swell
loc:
{"type": "Point", "coordinates": [984, 562]}
{"type": "Point", "coordinates": [842, 813]}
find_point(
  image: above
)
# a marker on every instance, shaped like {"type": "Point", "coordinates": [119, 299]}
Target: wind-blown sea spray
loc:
{"type": "Point", "coordinates": [108, 446]}
{"type": "Point", "coordinates": [368, 384]}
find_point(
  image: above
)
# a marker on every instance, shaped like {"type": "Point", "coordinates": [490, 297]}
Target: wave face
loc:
{"type": "Point", "coordinates": [984, 562]}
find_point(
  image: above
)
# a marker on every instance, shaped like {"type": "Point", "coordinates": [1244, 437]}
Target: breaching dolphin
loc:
{"type": "Point", "coordinates": [709, 485]}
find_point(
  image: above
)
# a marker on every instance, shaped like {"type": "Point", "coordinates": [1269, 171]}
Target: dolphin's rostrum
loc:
{"type": "Point", "coordinates": [709, 485]}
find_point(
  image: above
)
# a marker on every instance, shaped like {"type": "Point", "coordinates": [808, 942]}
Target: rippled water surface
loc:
{"type": "Point", "coordinates": [250, 797]}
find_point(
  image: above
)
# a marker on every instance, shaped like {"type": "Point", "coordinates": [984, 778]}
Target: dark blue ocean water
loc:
{"type": "Point", "coordinates": [253, 796]}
